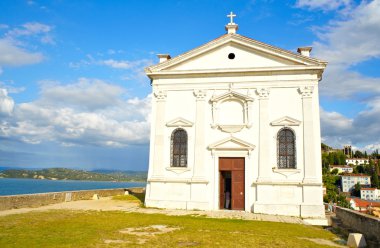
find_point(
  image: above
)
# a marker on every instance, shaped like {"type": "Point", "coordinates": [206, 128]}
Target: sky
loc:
{"type": "Point", "coordinates": [73, 92]}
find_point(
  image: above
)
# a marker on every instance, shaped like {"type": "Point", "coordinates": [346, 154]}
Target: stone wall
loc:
{"type": "Point", "coordinates": [37, 200]}
{"type": "Point", "coordinates": [367, 225]}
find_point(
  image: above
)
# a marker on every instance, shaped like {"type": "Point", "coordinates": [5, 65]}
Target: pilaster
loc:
{"type": "Point", "coordinates": [309, 158]}
{"type": "Point", "coordinates": [159, 141]}
{"type": "Point", "coordinates": [264, 167]}
{"type": "Point", "coordinates": [199, 149]}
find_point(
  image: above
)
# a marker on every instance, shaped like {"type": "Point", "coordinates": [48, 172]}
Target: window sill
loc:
{"type": "Point", "coordinates": [286, 172]}
{"type": "Point", "coordinates": [177, 170]}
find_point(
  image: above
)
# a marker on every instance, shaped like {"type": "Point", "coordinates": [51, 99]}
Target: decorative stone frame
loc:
{"type": "Point", "coordinates": [286, 122]}
{"type": "Point", "coordinates": [179, 123]}
{"type": "Point", "coordinates": [245, 101]}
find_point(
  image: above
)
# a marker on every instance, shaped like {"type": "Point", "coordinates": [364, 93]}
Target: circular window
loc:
{"type": "Point", "coordinates": [231, 56]}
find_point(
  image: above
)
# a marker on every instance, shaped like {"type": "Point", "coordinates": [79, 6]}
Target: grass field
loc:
{"type": "Point", "coordinates": [65, 228]}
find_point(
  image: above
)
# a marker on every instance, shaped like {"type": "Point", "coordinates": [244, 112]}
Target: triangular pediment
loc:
{"type": "Point", "coordinates": [231, 143]}
{"type": "Point", "coordinates": [286, 121]}
{"type": "Point", "coordinates": [248, 53]}
{"type": "Point", "coordinates": [231, 95]}
{"type": "Point", "coordinates": [179, 122]}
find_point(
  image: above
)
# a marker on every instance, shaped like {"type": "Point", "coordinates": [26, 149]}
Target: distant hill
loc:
{"type": "Point", "coordinates": [70, 174]}
{"type": "Point", "coordinates": [2, 168]}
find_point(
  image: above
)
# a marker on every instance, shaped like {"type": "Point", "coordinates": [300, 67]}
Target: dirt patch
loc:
{"type": "Point", "coordinates": [148, 230]}
{"type": "Point", "coordinates": [116, 241]}
{"type": "Point", "coordinates": [188, 243]}
{"type": "Point", "coordinates": [323, 242]}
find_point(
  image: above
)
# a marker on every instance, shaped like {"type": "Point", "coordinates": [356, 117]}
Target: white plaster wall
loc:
{"type": "Point", "coordinates": [284, 100]}
{"type": "Point", "coordinates": [244, 58]}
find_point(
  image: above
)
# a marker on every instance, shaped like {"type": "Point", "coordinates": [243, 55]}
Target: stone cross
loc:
{"type": "Point", "coordinates": [231, 16]}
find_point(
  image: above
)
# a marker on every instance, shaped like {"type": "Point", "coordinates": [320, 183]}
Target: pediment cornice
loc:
{"type": "Point", "coordinates": [231, 95]}
{"type": "Point", "coordinates": [286, 121]}
{"type": "Point", "coordinates": [179, 122]}
{"type": "Point", "coordinates": [242, 41]}
{"type": "Point", "coordinates": [231, 143]}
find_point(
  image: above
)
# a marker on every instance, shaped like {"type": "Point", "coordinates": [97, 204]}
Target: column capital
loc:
{"type": "Point", "coordinates": [306, 91]}
{"type": "Point", "coordinates": [160, 95]}
{"type": "Point", "coordinates": [200, 94]}
{"type": "Point", "coordinates": [263, 93]}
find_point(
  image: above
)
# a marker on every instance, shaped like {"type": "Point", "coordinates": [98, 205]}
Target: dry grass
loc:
{"type": "Point", "coordinates": [126, 198]}
{"type": "Point", "coordinates": [64, 228]}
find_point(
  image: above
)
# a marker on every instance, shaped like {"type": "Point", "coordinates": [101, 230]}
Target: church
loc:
{"type": "Point", "coordinates": [235, 126]}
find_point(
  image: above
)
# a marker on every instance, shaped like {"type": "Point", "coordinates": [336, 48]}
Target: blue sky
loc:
{"type": "Point", "coordinates": [73, 92]}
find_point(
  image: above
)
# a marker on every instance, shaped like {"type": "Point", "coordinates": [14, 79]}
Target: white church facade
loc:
{"type": "Point", "coordinates": [235, 125]}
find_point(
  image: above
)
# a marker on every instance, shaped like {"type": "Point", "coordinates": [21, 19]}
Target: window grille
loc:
{"type": "Point", "coordinates": [286, 149]}
{"type": "Point", "coordinates": [178, 148]}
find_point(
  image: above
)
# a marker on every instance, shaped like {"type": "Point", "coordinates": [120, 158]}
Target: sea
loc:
{"type": "Point", "coordinates": [16, 186]}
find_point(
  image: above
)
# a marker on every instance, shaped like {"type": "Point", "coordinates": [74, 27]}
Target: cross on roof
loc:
{"type": "Point", "coordinates": [231, 16]}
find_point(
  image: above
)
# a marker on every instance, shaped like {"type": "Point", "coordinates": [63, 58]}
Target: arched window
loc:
{"type": "Point", "coordinates": [286, 149]}
{"type": "Point", "coordinates": [178, 149]}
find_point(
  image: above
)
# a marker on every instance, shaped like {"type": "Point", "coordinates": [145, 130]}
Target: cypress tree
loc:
{"type": "Point", "coordinates": [375, 177]}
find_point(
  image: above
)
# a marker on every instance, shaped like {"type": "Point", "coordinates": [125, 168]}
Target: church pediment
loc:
{"type": "Point", "coordinates": [231, 95]}
{"type": "Point", "coordinates": [248, 53]}
{"type": "Point", "coordinates": [286, 121]}
{"type": "Point", "coordinates": [231, 143]}
{"type": "Point", "coordinates": [179, 122]}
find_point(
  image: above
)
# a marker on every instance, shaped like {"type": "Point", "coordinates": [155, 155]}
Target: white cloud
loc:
{"type": "Point", "coordinates": [334, 122]}
{"type": "Point", "coordinates": [325, 5]}
{"type": "Point", "coordinates": [12, 55]}
{"type": "Point", "coordinates": [6, 102]}
{"type": "Point", "coordinates": [86, 93]}
{"type": "Point", "coordinates": [125, 64]}
{"type": "Point", "coordinates": [363, 130]}
{"type": "Point", "coordinates": [339, 82]}
{"type": "Point", "coordinates": [354, 39]}
{"type": "Point", "coordinates": [28, 29]}
{"type": "Point", "coordinates": [32, 29]}
{"type": "Point", "coordinates": [122, 64]}
{"type": "Point", "coordinates": [13, 45]}
{"type": "Point", "coordinates": [347, 42]}
{"type": "Point", "coordinates": [88, 112]}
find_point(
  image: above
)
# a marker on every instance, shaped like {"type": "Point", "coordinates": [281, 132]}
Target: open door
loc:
{"type": "Point", "coordinates": [231, 183]}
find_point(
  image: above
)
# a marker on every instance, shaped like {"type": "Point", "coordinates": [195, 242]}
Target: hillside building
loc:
{"type": "Point", "coordinates": [349, 180]}
{"type": "Point", "coordinates": [342, 168]}
{"type": "Point", "coordinates": [372, 194]}
{"type": "Point", "coordinates": [357, 161]}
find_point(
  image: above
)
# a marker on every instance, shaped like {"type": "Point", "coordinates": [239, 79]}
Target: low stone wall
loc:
{"type": "Point", "coordinates": [37, 200]}
{"type": "Point", "coordinates": [367, 225]}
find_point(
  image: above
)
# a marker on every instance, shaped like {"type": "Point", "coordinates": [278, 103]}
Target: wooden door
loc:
{"type": "Point", "coordinates": [237, 168]}
{"type": "Point", "coordinates": [221, 190]}
{"type": "Point", "coordinates": [238, 194]}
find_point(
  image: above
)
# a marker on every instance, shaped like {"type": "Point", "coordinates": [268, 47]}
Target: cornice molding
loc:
{"type": "Point", "coordinates": [241, 40]}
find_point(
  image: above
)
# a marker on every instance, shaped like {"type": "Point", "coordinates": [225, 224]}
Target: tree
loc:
{"type": "Point", "coordinates": [342, 201]}
{"type": "Point", "coordinates": [375, 177]}
{"type": "Point", "coordinates": [358, 154]}
{"type": "Point", "coordinates": [325, 161]}
{"type": "Point", "coordinates": [375, 154]}
{"type": "Point", "coordinates": [356, 190]}
{"type": "Point", "coordinates": [335, 171]}
{"type": "Point", "coordinates": [359, 169]}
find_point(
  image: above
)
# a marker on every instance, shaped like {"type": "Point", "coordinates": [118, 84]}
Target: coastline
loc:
{"type": "Point", "coordinates": [20, 186]}
{"type": "Point", "coordinates": [69, 179]}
